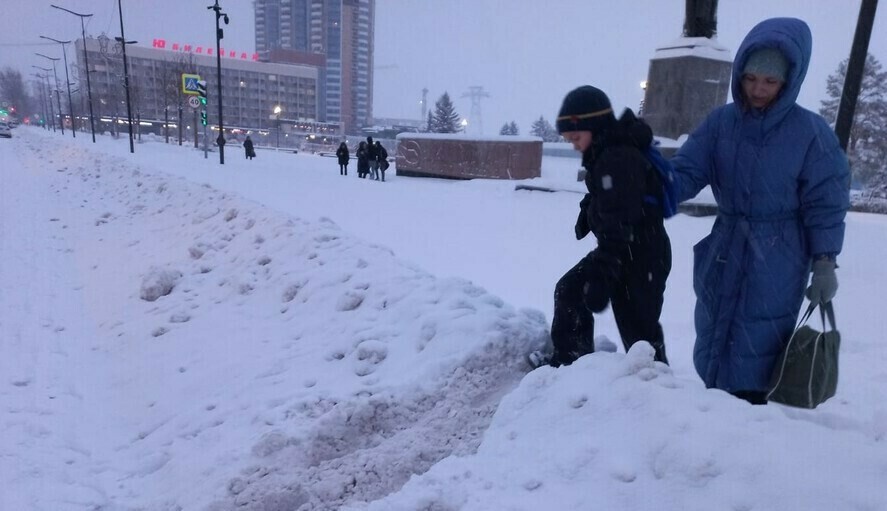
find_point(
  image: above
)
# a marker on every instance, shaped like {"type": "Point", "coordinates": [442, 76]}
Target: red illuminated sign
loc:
{"type": "Point", "coordinates": [208, 50]}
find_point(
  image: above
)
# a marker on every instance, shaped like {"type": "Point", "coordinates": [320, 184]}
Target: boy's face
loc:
{"type": "Point", "coordinates": [760, 90]}
{"type": "Point", "coordinates": [581, 140]}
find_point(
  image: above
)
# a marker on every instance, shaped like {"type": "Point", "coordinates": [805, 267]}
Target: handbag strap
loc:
{"type": "Point", "coordinates": [827, 311]}
{"type": "Point", "coordinates": [806, 315]}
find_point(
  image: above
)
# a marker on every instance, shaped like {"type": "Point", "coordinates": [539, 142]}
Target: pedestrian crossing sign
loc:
{"type": "Point", "coordinates": [189, 83]}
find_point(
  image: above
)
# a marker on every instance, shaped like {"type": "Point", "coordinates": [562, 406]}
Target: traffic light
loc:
{"type": "Point", "coordinates": [201, 91]}
{"type": "Point", "coordinates": [203, 115]}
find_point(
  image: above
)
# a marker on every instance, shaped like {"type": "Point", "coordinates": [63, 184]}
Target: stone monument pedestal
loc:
{"type": "Point", "coordinates": [687, 80]}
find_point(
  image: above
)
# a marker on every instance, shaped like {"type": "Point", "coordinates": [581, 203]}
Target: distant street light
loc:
{"type": "Point", "coordinates": [49, 89]}
{"type": "Point", "coordinates": [86, 61]}
{"type": "Point", "coordinates": [43, 111]}
{"type": "Point", "coordinates": [277, 111]}
{"type": "Point", "coordinates": [68, 82]}
{"type": "Point", "coordinates": [464, 125]}
{"type": "Point", "coordinates": [57, 92]}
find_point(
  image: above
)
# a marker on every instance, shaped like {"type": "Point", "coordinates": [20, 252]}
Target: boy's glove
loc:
{"type": "Point", "coordinates": [824, 283]}
{"type": "Point", "coordinates": [582, 229]}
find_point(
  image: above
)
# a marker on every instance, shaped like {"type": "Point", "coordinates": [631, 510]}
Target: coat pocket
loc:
{"type": "Point", "coordinates": [707, 270]}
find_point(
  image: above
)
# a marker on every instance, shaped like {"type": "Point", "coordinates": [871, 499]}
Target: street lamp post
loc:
{"type": "Point", "coordinates": [42, 95]}
{"type": "Point", "coordinates": [57, 92]}
{"type": "Point", "coordinates": [49, 90]}
{"type": "Point", "coordinates": [86, 61]}
{"type": "Point", "coordinates": [277, 111]}
{"type": "Point", "coordinates": [219, 35]}
{"type": "Point", "coordinates": [123, 42]}
{"type": "Point", "coordinates": [68, 83]}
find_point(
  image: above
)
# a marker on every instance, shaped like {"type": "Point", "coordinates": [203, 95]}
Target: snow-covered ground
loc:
{"type": "Point", "coordinates": [269, 335]}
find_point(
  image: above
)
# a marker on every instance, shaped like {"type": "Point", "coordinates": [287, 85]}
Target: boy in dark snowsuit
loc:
{"type": "Point", "coordinates": [631, 263]}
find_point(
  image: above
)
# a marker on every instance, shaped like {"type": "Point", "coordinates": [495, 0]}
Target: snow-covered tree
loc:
{"type": "Point", "coordinates": [867, 146]}
{"type": "Point", "coordinates": [543, 129]}
{"type": "Point", "coordinates": [429, 123]}
{"type": "Point", "coordinates": [509, 128]}
{"type": "Point", "coordinates": [444, 119]}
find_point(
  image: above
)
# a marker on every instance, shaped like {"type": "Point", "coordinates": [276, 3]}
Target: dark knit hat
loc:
{"type": "Point", "coordinates": [768, 62]}
{"type": "Point", "coordinates": [585, 109]}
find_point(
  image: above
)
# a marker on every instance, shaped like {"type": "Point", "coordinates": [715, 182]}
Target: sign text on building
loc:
{"type": "Point", "coordinates": [204, 50]}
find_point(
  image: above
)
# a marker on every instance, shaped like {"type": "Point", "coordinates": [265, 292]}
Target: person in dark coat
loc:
{"type": "Point", "coordinates": [631, 263]}
{"type": "Point", "coordinates": [381, 159]}
{"type": "Point", "coordinates": [781, 183]}
{"type": "Point", "coordinates": [344, 158]}
{"type": "Point", "coordinates": [363, 160]}
{"type": "Point", "coordinates": [248, 148]}
{"type": "Point", "coordinates": [371, 155]}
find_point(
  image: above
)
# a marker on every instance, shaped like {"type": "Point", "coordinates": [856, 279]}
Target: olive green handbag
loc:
{"type": "Point", "coordinates": [806, 373]}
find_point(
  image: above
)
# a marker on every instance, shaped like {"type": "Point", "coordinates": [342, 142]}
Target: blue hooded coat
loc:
{"type": "Point", "coordinates": [781, 182]}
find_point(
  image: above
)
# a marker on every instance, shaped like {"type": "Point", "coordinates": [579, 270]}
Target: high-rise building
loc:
{"type": "Point", "coordinates": [334, 35]}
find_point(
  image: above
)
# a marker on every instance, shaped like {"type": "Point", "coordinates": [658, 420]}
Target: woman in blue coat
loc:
{"type": "Point", "coordinates": [781, 183]}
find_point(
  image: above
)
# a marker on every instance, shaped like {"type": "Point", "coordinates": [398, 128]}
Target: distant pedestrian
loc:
{"type": "Point", "coordinates": [371, 156]}
{"type": "Point", "coordinates": [248, 148]}
{"type": "Point", "coordinates": [344, 157]}
{"type": "Point", "coordinates": [363, 160]}
{"type": "Point", "coordinates": [381, 160]}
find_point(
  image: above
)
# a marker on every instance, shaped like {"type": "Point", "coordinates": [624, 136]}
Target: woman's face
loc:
{"type": "Point", "coordinates": [760, 90]}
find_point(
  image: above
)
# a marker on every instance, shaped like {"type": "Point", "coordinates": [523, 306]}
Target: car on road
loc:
{"type": "Point", "coordinates": [5, 130]}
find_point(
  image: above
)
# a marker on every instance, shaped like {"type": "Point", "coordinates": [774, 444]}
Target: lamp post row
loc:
{"type": "Point", "coordinates": [57, 92]}
{"type": "Point", "coordinates": [68, 84]}
{"type": "Point", "coordinates": [86, 62]}
{"type": "Point", "coordinates": [45, 77]}
{"type": "Point", "coordinates": [220, 15]}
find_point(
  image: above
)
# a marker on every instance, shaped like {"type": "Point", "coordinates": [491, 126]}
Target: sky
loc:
{"type": "Point", "coordinates": [525, 54]}
{"type": "Point", "coordinates": [267, 334]}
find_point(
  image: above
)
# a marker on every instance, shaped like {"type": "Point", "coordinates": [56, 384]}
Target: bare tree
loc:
{"type": "Point", "coordinates": [13, 91]}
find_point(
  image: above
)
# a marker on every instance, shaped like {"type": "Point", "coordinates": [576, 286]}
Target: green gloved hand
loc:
{"type": "Point", "coordinates": [823, 283]}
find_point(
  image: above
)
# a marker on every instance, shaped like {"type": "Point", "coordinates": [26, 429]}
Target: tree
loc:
{"type": "Point", "coordinates": [429, 123]}
{"type": "Point", "coordinates": [543, 129]}
{"type": "Point", "coordinates": [509, 129]}
{"type": "Point", "coordinates": [13, 91]}
{"type": "Point", "coordinates": [867, 147]}
{"type": "Point", "coordinates": [445, 119]}
{"type": "Point", "coordinates": [174, 98]}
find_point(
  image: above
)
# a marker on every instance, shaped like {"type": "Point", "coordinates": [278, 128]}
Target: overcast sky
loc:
{"type": "Point", "coordinates": [526, 54]}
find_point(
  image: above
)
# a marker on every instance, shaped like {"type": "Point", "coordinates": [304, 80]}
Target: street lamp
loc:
{"type": "Point", "coordinates": [68, 82]}
{"type": "Point", "coordinates": [49, 89]}
{"type": "Point", "coordinates": [86, 61]}
{"type": "Point", "coordinates": [57, 91]}
{"type": "Point", "coordinates": [464, 124]}
{"type": "Point", "coordinates": [219, 35]}
{"type": "Point", "coordinates": [43, 111]}
{"type": "Point", "coordinates": [277, 111]}
{"type": "Point", "coordinates": [123, 42]}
